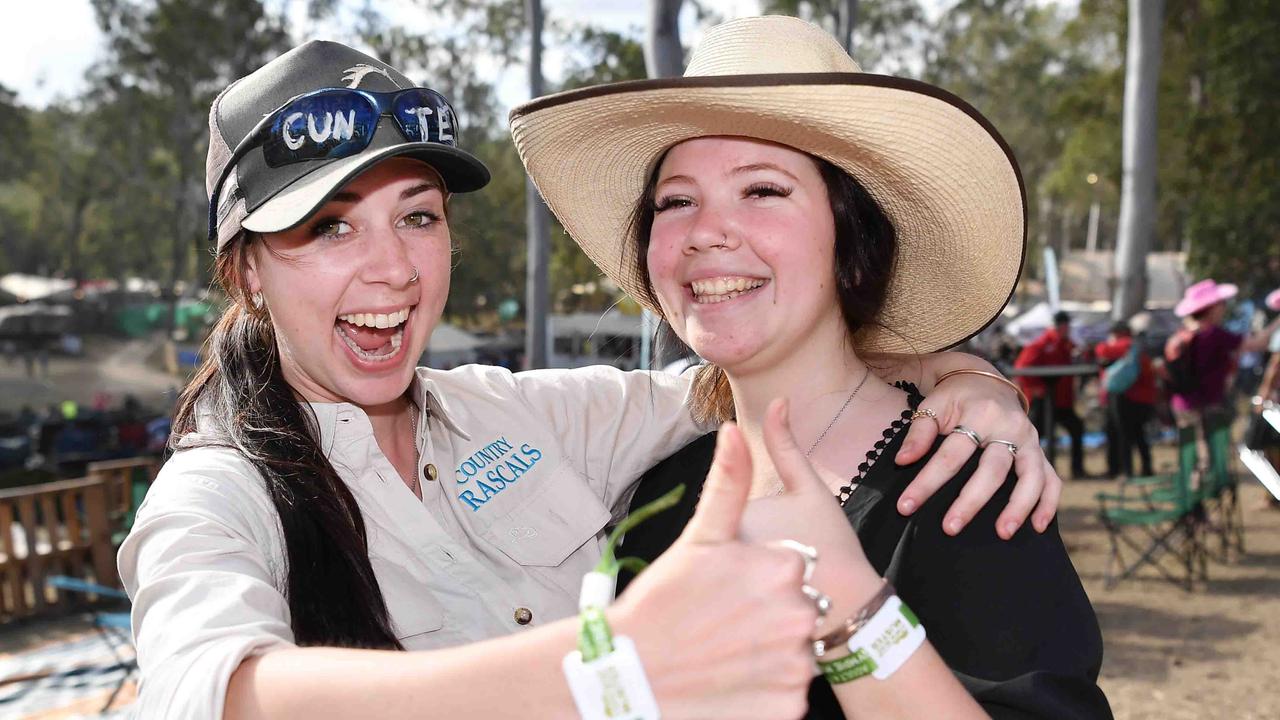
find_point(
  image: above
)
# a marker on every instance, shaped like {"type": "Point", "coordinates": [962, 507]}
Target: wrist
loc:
{"type": "Point", "coordinates": [851, 589]}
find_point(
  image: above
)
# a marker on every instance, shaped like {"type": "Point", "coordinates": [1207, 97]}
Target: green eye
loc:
{"type": "Point", "coordinates": [330, 228]}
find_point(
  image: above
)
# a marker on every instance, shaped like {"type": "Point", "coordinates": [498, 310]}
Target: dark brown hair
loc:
{"type": "Point", "coordinates": [244, 403]}
{"type": "Point", "coordinates": [866, 250]}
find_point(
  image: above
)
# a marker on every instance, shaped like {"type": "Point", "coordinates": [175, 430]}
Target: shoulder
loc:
{"type": "Point", "coordinates": [216, 483]}
{"type": "Point", "coordinates": [490, 380]}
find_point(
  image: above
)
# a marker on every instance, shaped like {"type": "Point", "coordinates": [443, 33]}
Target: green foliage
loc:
{"type": "Point", "coordinates": [111, 183]}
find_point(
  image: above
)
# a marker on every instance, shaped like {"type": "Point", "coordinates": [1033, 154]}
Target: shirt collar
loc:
{"type": "Point", "coordinates": [430, 402]}
{"type": "Point", "coordinates": [429, 397]}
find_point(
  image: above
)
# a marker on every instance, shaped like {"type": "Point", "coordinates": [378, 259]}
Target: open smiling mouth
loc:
{"type": "Point", "coordinates": [373, 337]}
{"type": "Point", "coordinates": [720, 289]}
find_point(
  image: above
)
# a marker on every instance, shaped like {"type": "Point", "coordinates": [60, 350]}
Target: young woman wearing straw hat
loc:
{"type": "Point", "coordinates": [791, 217]}
{"type": "Point", "coordinates": [325, 493]}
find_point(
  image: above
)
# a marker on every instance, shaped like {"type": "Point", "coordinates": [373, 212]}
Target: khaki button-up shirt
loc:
{"type": "Point", "coordinates": [532, 467]}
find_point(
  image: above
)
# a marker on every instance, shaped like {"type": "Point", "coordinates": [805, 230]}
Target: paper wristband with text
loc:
{"type": "Point", "coordinates": [880, 647]}
{"type": "Point", "coordinates": [605, 675]}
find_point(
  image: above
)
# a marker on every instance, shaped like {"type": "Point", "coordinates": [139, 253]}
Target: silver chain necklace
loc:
{"type": "Point", "coordinates": [839, 412]}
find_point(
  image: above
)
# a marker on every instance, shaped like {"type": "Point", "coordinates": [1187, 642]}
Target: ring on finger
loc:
{"type": "Point", "coordinates": [821, 600]}
{"type": "Point", "coordinates": [924, 413]}
{"type": "Point", "coordinates": [962, 430]}
{"type": "Point", "coordinates": [808, 553]}
{"type": "Point", "coordinates": [1012, 447]}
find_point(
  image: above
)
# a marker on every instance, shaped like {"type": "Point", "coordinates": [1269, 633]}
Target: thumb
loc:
{"type": "Point", "coordinates": [724, 496]}
{"type": "Point", "coordinates": [789, 461]}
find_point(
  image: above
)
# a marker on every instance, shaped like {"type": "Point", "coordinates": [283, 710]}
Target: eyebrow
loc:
{"type": "Point", "coordinates": [740, 170]}
{"type": "Point", "coordinates": [347, 196]}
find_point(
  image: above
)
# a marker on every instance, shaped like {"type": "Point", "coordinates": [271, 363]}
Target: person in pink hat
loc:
{"type": "Point", "coordinates": [1269, 391]}
{"type": "Point", "coordinates": [1201, 357]}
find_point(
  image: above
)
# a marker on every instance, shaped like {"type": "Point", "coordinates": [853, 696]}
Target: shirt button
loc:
{"type": "Point", "coordinates": [430, 471]}
{"type": "Point", "coordinates": [524, 616]}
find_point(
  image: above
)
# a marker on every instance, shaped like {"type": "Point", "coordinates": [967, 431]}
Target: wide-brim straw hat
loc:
{"type": "Point", "coordinates": [937, 167]}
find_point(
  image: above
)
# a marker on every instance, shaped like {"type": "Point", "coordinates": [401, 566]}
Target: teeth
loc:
{"type": "Point", "coordinates": [394, 344]}
{"type": "Point", "coordinates": [715, 290]}
{"type": "Point", "coordinates": [377, 320]}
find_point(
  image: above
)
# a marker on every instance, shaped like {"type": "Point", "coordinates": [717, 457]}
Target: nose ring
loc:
{"type": "Point", "coordinates": [414, 279]}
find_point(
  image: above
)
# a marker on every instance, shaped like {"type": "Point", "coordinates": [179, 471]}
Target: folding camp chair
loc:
{"type": "Point", "coordinates": [1157, 517]}
{"type": "Point", "coordinates": [1222, 497]}
{"type": "Point", "coordinates": [114, 627]}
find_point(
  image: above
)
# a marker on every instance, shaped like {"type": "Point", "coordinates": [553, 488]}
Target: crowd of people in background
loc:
{"type": "Point", "coordinates": [60, 439]}
{"type": "Point", "coordinates": [1190, 378]}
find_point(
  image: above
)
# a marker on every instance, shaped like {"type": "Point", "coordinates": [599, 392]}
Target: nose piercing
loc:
{"type": "Point", "coordinates": [414, 279]}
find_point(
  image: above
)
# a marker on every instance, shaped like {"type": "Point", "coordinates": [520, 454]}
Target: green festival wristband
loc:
{"type": "Point", "coordinates": [595, 639]}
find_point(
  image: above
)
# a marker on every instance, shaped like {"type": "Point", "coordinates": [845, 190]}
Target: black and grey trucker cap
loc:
{"type": "Point", "coordinates": [265, 199]}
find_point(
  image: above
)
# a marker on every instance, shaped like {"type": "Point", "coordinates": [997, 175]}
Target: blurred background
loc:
{"type": "Point", "coordinates": [1148, 141]}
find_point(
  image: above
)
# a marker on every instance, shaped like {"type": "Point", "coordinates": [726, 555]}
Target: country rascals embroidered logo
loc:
{"type": "Point", "coordinates": [489, 470]}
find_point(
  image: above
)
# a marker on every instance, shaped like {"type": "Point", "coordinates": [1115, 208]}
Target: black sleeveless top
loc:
{"type": "Point", "coordinates": [1009, 617]}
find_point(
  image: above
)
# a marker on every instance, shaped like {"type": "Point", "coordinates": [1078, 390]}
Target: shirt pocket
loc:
{"type": "Point", "coordinates": [410, 604]}
{"type": "Point", "coordinates": [546, 529]}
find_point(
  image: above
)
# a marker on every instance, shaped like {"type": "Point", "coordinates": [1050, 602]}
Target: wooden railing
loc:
{"type": "Point", "coordinates": [118, 476]}
{"type": "Point", "coordinates": [64, 528]}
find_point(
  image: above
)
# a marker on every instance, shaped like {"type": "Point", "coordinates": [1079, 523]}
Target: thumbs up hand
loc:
{"type": "Point", "coordinates": [808, 512]}
{"type": "Point", "coordinates": [720, 624]}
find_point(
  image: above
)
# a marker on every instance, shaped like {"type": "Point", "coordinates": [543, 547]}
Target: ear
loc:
{"type": "Point", "coordinates": [253, 283]}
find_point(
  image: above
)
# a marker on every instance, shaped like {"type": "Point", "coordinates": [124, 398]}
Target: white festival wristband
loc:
{"type": "Point", "coordinates": [613, 686]}
{"type": "Point", "coordinates": [892, 636]}
{"type": "Point", "coordinates": [880, 647]}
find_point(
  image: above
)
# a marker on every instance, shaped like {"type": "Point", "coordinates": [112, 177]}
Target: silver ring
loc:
{"type": "Point", "coordinates": [962, 430]}
{"type": "Point", "coordinates": [821, 600]}
{"type": "Point", "coordinates": [808, 553]}
{"type": "Point", "coordinates": [1013, 448]}
{"type": "Point", "coordinates": [414, 279]}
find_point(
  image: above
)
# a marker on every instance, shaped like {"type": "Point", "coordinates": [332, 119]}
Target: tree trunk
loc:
{"type": "Point", "coordinates": [537, 220]}
{"type": "Point", "coordinates": [663, 53]}
{"type": "Point", "coordinates": [848, 21]}
{"type": "Point", "coordinates": [1138, 187]}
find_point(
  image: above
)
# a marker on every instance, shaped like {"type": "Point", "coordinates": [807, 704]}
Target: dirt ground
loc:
{"type": "Point", "coordinates": [1172, 654]}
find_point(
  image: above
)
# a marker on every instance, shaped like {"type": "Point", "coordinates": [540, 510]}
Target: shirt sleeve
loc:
{"type": "Point", "coordinates": [203, 586]}
{"type": "Point", "coordinates": [1009, 617]}
{"type": "Point", "coordinates": [613, 425]}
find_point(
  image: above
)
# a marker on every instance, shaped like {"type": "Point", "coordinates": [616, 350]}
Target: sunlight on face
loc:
{"type": "Point", "coordinates": [350, 320]}
{"type": "Point", "coordinates": [741, 251]}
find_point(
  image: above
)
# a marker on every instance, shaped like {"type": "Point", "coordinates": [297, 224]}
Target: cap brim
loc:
{"type": "Point", "coordinates": [460, 170]}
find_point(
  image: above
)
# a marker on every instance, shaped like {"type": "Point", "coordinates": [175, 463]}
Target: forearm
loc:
{"type": "Point", "coordinates": [924, 687]}
{"type": "Point", "coordinates": [924, 370]}
{"type": "Point", "coordinates": [317, 683]}
{"type": "Point", "coordinates": [1257, 342]}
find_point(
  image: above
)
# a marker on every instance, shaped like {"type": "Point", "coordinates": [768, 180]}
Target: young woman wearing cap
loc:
{"type": "Point", "coordinates": [790, 217]}
{"type": "Point", "coordinates": [324, 492]}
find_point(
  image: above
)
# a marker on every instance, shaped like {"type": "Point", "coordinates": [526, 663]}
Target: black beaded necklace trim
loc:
{"type": "Point", "coordinates": [895, 427]}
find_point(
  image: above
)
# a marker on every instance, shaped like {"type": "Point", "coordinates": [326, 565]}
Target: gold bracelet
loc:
{"type": "Point", "coordinates": [1022, 397]}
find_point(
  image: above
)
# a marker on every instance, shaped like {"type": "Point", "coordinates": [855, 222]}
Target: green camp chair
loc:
{"type": "Point", "coordinates": [1157, 517]}
{"type": "Point", "coordinates": [1222, 497]}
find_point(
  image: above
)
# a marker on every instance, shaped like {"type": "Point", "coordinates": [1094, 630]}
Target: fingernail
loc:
{"type": "Point", "coordinates": [1010, 528]}
{"type": "Point", "coordinates": [907, 506]}
{"type": "Point", "coordinates": [954, 525]}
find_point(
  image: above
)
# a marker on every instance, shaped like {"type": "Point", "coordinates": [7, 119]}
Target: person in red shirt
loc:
{"type": "Point", "coordinates": [1054, 347]}
{"type": "Point", "coordinates": [1127, 412]}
